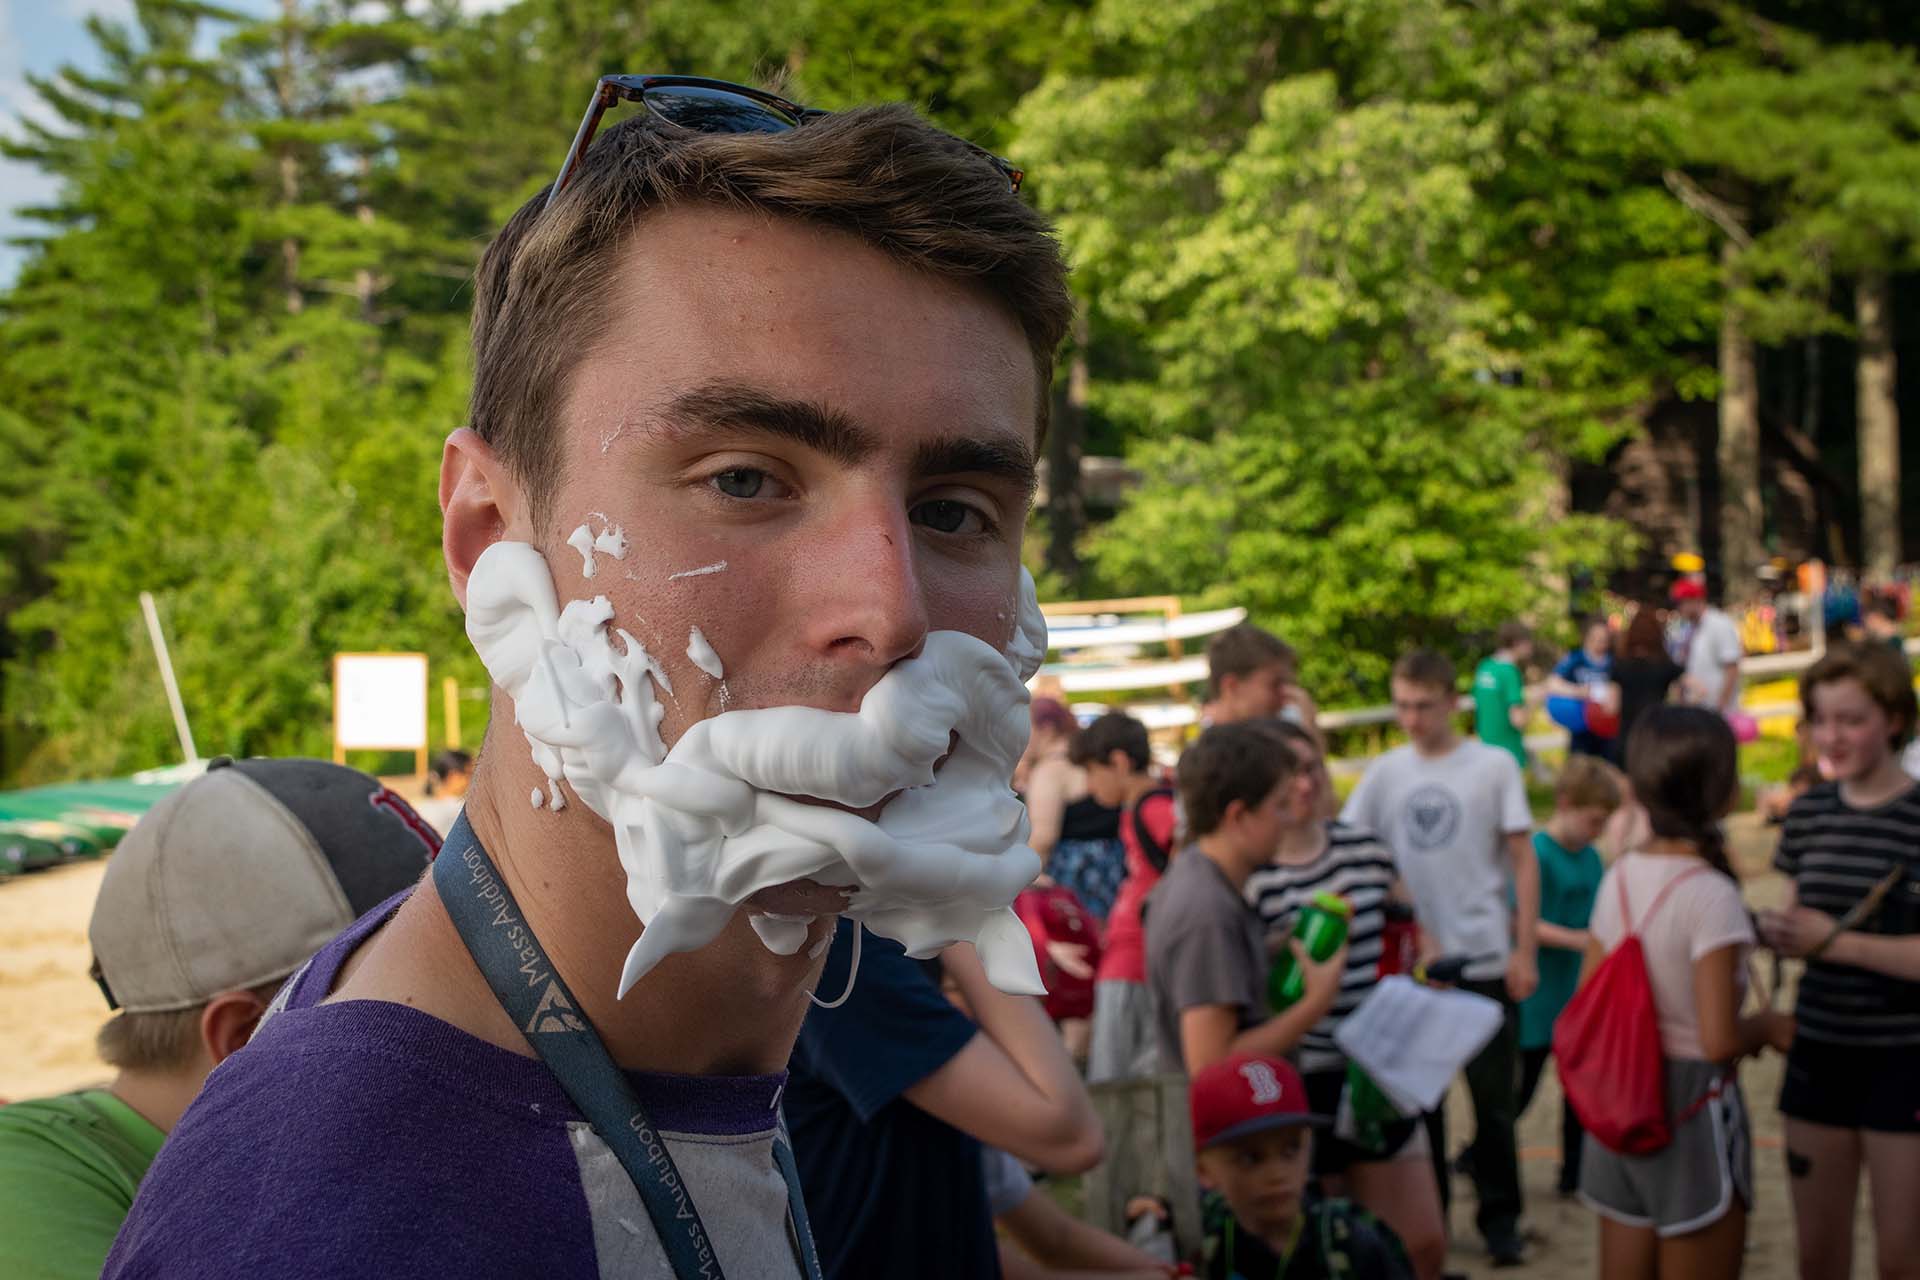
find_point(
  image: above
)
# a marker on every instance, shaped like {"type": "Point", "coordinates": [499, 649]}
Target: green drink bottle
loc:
{"type": "Point", "coordinates": [1322, 927]}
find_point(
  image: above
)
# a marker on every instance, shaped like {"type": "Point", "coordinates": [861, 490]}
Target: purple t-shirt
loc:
{"type": "Point", "coordinates": [369, 1138]}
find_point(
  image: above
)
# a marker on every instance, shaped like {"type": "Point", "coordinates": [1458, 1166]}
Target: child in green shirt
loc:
{"type": "Point", "coordinates": [1500, 710]}
{"type": "Point", "coordinates": [1584, 797]}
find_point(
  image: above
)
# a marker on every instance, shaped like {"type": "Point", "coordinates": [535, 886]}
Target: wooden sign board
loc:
{"type": "Point", "coordinates": [380, 704]}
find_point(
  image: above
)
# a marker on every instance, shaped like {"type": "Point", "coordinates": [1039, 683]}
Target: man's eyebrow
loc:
{"type": "Point", "coordinates": [1002, 457]}
{"type": "Point", "coordinates": [719, 406]}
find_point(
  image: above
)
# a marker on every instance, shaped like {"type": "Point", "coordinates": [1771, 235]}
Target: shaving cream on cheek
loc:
{"type": "Point", "coordinates": [702, 828]}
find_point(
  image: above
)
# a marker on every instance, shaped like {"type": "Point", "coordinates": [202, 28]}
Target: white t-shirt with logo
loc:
{"type": "Point", "coordinates": [1714, 644]}
{"type": "Point", "coordinates": [1447, 819]}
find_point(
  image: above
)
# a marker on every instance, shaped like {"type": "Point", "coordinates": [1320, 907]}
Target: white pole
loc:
{"type": "Point", "coordinates": [166, 676]}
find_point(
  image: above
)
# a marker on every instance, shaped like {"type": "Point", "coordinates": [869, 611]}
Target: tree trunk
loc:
{"type": "Point", "coordinates": [1741, 552]}
{"type": "Point", "coordinates": [289, 165]}
{"type": "Point", "coordinates": [1879, 427]}
{"type": "Point", "coordinates": [1066, 504]}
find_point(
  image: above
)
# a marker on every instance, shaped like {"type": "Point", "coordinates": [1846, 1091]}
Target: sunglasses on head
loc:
{"type": "Point", "coordinates": [703, 106]}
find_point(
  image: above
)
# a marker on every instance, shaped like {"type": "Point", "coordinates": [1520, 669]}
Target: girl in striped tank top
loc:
{"type": "Point", "coordinates": [1395, 1182]}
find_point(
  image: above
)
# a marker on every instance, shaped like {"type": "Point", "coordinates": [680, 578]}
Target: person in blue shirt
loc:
{"type": "Point", "coordinates": [890, 1094]}
{"type": "Point", "coordinates": [1587, 673]}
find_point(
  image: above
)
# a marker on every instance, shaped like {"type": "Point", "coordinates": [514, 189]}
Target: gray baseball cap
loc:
{"type": "Point", "coordinates": [238, 877]}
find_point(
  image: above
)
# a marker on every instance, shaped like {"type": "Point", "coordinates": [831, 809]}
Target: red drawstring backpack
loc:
{"type": "Point", "coordinates": [1054, 913]}
{"type": "Point", "coordinates": [1606, 1046]}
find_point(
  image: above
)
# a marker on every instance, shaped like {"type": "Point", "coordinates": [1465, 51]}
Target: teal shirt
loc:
{"type": "Point", "coordinates": [1568, 883]}
{"type": "Point", "coordinates": [1497, 690]}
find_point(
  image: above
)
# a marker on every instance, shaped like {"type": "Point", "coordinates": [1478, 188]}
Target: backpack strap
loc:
{"type": "Point", "coordinates": [1154, 852]}
{"type": "Point", "coordinates": [1626, 914]}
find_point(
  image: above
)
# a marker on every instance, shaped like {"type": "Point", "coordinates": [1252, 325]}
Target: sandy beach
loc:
{"type": "Point", "coordinates": [49, 1011]}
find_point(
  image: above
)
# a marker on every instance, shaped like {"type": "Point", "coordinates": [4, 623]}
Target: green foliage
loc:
{"type": "Point", "coordinates": [1360, 295]}
{"type": "Point", "coordinates": [1360, 278]}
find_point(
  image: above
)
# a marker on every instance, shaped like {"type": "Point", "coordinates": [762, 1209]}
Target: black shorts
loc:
{"type": "Point", "coordinates": [1333, 1155]}
{"type": "Point", "coordinates": [1851, 1087]}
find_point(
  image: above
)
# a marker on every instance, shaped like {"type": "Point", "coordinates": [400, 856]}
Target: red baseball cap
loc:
{"type": "Point", "coordinates": [1246, 1094]}
{"type": "Point", "coordinates": [1688, 589]}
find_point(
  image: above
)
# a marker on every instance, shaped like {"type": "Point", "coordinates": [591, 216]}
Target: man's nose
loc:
{"type": "Point", "coordinates": [866, 603]}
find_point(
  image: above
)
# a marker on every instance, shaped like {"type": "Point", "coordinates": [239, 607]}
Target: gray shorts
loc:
{"type": "Point", "coordinates": [1123, 1046]}
{"type": "Point", "coordinates": [1692, 1182]}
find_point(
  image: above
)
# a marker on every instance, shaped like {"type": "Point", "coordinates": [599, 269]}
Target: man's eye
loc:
{"type": "Point", "coordinates": [740, 482]}
{"type": "Point", "coordinates": [944, 515]}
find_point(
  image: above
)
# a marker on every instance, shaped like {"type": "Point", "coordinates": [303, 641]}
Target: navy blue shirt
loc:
{"type": "Point", "coordinates": [1581, 668]}
{"type": "Point", "coordinates": [891, 1191]}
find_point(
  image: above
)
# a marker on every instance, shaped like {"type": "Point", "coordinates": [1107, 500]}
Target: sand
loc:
{"type": "Point", "coordinates": [49, 1011]}
{"type": "Point", "coordinates": [49, 1008]}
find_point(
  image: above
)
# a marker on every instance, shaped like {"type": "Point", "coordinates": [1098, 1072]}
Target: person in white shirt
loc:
{"type": "Point", "coordinates": [1713, 649]}
{"type": "Point", "coordinates": [1454, 812]}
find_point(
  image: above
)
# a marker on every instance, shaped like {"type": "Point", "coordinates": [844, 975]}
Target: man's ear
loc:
{"type": "Point", "coordinates": [227, 1023]}
{"type": "Point", "coordinates": [478, 503]}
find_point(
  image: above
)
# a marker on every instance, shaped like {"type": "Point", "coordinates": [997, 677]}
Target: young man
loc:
{"type": "Point", "coordinates": [1713, 648]}
{"type": "Point", "coordinates": [1585, 673]}
{"type": "Point", "coordinates": [216, 895]}
{"type": "Point", "coordinates": [1206, 948]}
{"type": "Point", "coordinates": [1500, 707]}
{"type": "Point", "coordinates": [1253, 1150]}
{"type": "Point", "coordinates": [891, 1094]}
{"type": "Point", "coordinates": [1454, 812]}
{"type": "Point", "coordinates": [1114, 752]}
{"type": "Point", "coordinates": [1251, 674]}
{"type": "Point", "coordinates": [1585, 796]}
{"type": "Point", "coordinates": [776, 378]}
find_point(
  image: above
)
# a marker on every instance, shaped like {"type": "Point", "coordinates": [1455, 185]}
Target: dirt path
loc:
{"type": "Point", "coordinates": [49, 1008]}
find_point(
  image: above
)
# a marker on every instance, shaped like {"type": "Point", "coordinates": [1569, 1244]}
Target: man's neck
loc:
{"type": "Point", "coordinates": [1557, 832]}
{"type": "Point", "coordinates": [1234, 863]}
{"type": "Point", "coordinates": [1438, 747]}
{"type": "Point", "coordinates": [160, 1098]}
{"type": "Point", "coordinates": [1138, 785]}
{"type": "Point", "coordinates": [730, 1008]}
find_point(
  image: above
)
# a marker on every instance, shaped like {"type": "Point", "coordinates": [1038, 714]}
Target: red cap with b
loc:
{"type": "Point", "coordinates": [1246, 1094]}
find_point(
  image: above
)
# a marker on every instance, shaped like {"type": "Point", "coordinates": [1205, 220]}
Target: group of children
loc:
{"type": "Point", "coordinates": [1219, 872]}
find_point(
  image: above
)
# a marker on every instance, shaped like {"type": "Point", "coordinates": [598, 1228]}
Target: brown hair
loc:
{"type": "Point", "coordinates": [543, 294]}
{"type": "Point", "coordinates": [1242, 650]}
{"type": "Point", "coordinates": [1586, 783]}
{"type": "Point", "coordinates": [160, 1042]}
{"type": "Point", "coordinates": [1230, 762]}
{"type": "Point", "coordinates": [1685, 769]}
{"type": "Point", "coordinates": [1114, 731]}
{"type": "Point", "coordinates": [1511, 634]}
{"type": "Point", "coordinates": [1051, 713]}
{"type": "Point", "coordinates": [1425, 667]}
{"type": "Point", "coordinates": [1644, 639]}
{"type": "Point", "coordinates": [1883, 673]}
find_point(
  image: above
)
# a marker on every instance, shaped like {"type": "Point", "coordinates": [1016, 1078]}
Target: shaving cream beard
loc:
{"type": "Point", "coordinates": [703, 827]}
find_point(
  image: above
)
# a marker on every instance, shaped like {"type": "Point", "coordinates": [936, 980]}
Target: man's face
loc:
{"type": "Point", "coordinates": [1425, 711]}
{"type": "Point", "coordinates": [1256, 695]}
{"type": "Point", "coordinates": [816, 456]}
{"type": "Point", "coordinates": [1691, 609]}
{"type": "Point", "coordinates": [1261, 1177]}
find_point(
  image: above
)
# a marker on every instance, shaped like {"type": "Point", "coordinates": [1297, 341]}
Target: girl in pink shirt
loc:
{"type": "Point", "coordinates": [1682, 1211]}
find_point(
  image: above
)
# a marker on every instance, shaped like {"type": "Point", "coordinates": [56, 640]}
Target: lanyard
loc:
{"type": "Point", "coordinates": [536, 997]}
